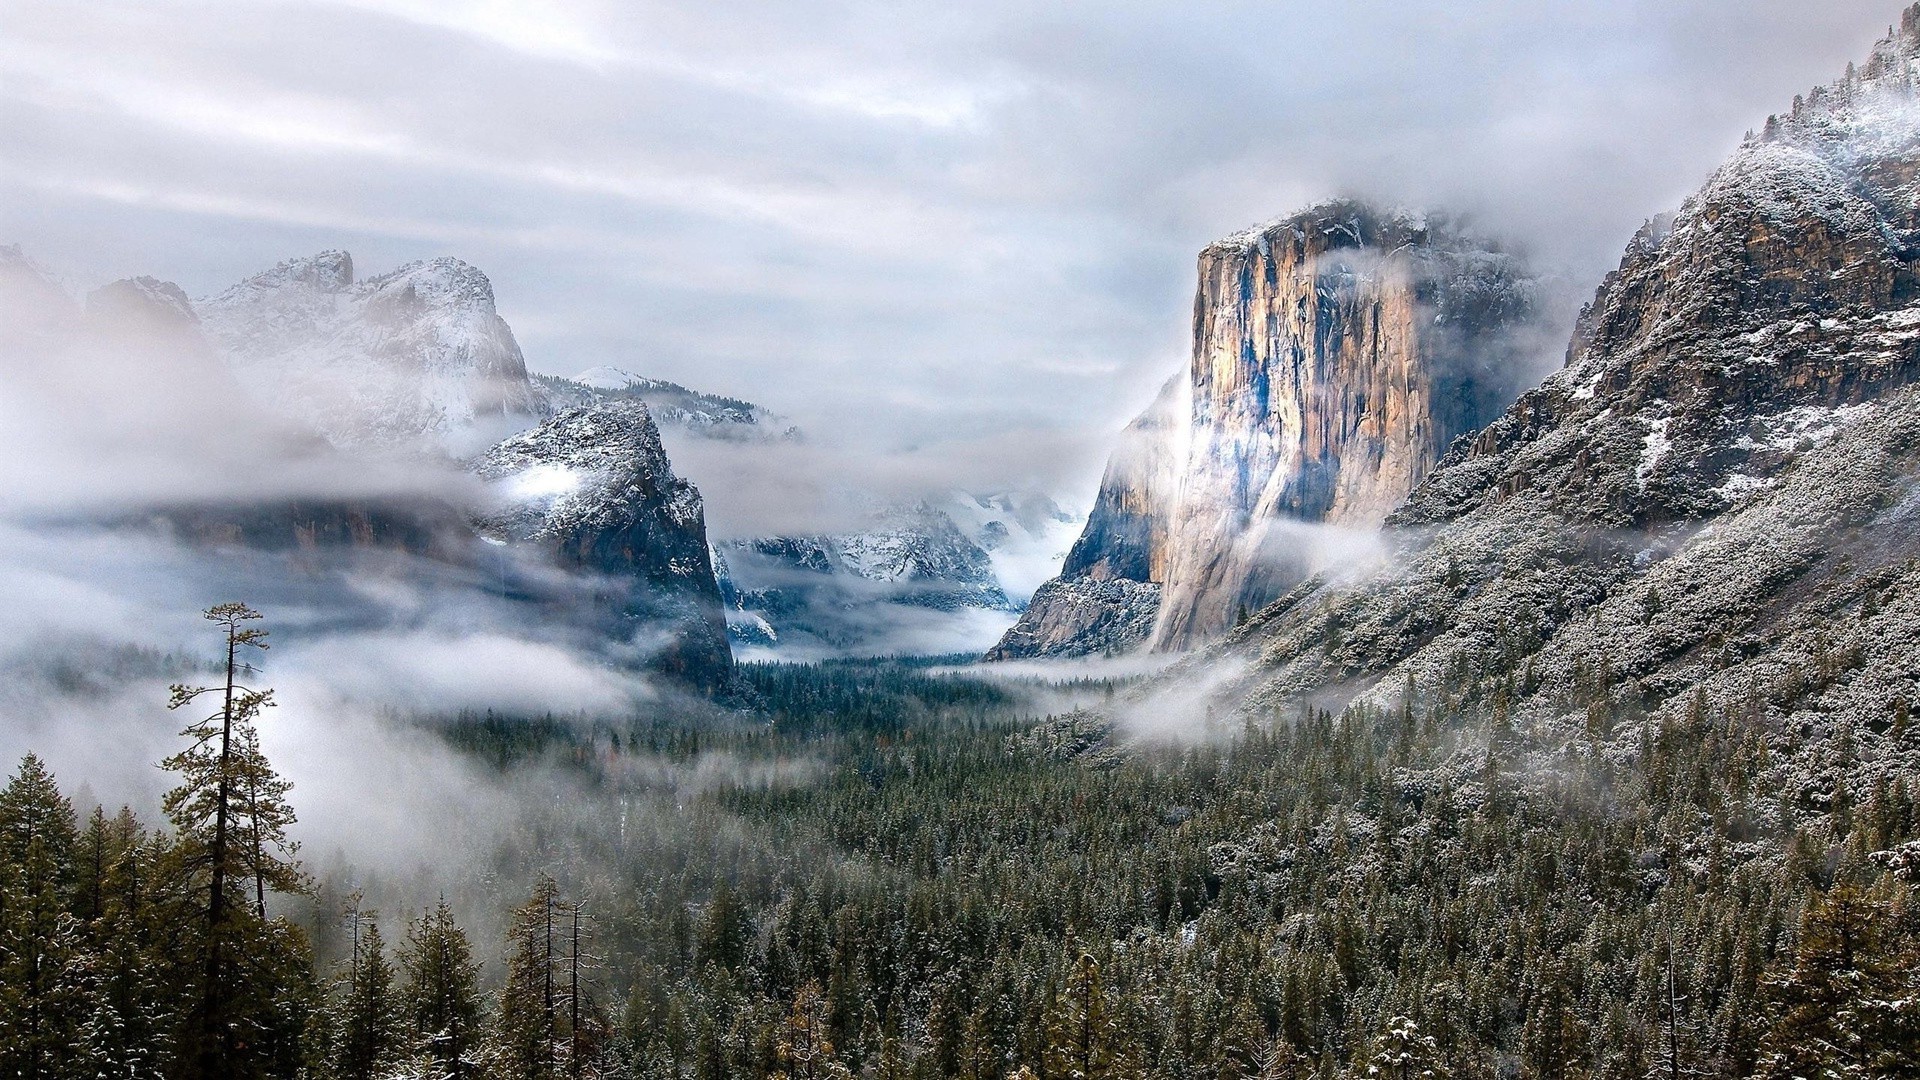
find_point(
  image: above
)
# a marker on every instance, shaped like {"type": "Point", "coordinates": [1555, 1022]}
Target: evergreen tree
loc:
{"type": "Point", "coordinates": [40, 939]}
{"type": "Point", "coordinates": [1842, 1009]}
{"type": "Point", "coordinates": [1403, 1053]}
{"type": "Point", "coordinates": [442, 999]}
{"type": "Point", "coordinates": [805, 1050]}
{"type": "Point", "coordinates": [226, 799]}
{"type": "Point", "coordinates": [369, 1039]}
{"type": "Point", "coordinates": [1084, 1041]}
{"type": "Point", "coordinates": [530, 1032]}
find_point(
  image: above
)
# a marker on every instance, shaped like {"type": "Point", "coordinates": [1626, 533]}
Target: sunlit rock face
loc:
{"type": "Point", "coordinates": [1336, 354]}
{"type": "Point", "coordinates": [592, 487]}
{"type": "Point", "coordinates": [1715, 497]}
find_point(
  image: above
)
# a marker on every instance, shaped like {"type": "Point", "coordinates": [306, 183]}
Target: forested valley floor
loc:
{"type": "Point", "coordinates": [903, 869]}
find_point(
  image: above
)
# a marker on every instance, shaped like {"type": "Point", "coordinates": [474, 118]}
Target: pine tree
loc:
{"type": "Point", "coordinates": [443, 995]}
{"type": "Point", "coordinates": [1403, 1053]}
{"type": "Point", "coordinates": [39, 938]}
{"type": "Point", "coordinates": [228, 798]}
{"type": "Point", "coordinates": [1084, 1041]}
{"type": "Point", "coordinates": [1843, 1004]}
{"type": "Point", "coordinates": [530, 1032]}
{"type": "Point", "coordinates": [369, 1037]}
{"type": "Point", "coordinates": [805, 1050]}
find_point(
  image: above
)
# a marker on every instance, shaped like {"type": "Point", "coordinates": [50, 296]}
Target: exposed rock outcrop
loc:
{"type": "Point", "coordinates": [592, 486]}
{"type": "Point", "coordinates": [1107, 595]}
{"type": "Point", "coordinates": [1336, 354]}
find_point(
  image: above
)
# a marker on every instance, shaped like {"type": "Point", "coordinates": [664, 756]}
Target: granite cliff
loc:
{"type": "Point", "coordinates": [1336, 354]}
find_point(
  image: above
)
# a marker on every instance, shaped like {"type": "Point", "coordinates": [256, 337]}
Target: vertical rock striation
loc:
{"type": "Point", "coordinates": [1336, 354]}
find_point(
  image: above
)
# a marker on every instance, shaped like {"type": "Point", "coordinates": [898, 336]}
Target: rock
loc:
{"type": "Point", "coordinates": [1337, 353]}
{"type": "Point", "coordinates": [1710, 509]}
{"type": "Point", "coordinates": [414, 360]}
{"type": "Point", "coordinates": [592, 488]}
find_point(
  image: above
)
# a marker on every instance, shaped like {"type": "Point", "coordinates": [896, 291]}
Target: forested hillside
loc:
{"type": "Point", "coordinates": [942, 885]}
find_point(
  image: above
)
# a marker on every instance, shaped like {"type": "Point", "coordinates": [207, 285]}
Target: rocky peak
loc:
{"type": "Point", "coordinates": [1716, 490]}
{"type": "Point", "coordinates": [592, 488]}
{"type": "Point", "coordinates": [145, 299]}
{"type": "Point", "coordinates": [1784, 285]}
{"type": "Point", "coordinates": [414, 359]}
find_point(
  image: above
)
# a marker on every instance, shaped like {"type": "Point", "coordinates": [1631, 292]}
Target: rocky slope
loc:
{"type": "Point", "coordinates": [592, 487]}
{"type": "Point", "coordinates": [1336, 354]}
{"type": "Point", "coordinates": [414, 359]}
{"type": "Point", "coordinates": [1708, 514]}
{"type": "Point", "coordinates": [1107, 594]}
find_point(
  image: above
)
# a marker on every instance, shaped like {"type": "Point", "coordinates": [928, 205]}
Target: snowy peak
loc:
{"type": "Point", "coordinates": [578, 470]}
{"type": "Point", "coordinates": [144, 298]}
{"type": "Point", "coordinates": [414, 359]}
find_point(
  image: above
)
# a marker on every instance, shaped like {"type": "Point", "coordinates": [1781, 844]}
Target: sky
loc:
{"type": "Point", "coordinates": [963, 230]}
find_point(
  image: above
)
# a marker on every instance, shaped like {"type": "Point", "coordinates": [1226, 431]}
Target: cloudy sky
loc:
{"type": "Point", "coordinates": [944, 225]}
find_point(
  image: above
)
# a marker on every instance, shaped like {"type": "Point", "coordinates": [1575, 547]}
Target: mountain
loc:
{"type": "Point", "coordinates": [1336, 354]}
{"type": "Point", "coordinates": [1708, 517]}
{"type": "Point", "coordinates": [1107, 593]}
{"type": "Point", "coordinates": [592, 487]}
{"type": "Point", "coordinates": [413, 359]}
{"type": "Point", "coordinates": [851, 591]}
{"type": "Point", "coordinates": [672, 405]}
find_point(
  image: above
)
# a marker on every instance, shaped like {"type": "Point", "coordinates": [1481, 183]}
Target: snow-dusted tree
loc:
{"type": "Point", "coordinates": [1084, 1040]}
{"type": "Point", "coordinates": [443, 992]}
{"type": "Point", "coordinates": [369, 1036]}
{"type": "Point", "coordinates": [1403, 1053]}
{"type": "Point", "coordinates": [1846, 1009]}
{"type": "Point", "coordinates": [531, 1041]}
{"type": "Point", "coordinates": [805, 1049]}
{"type": "Point", "coordinates": [230, 814]}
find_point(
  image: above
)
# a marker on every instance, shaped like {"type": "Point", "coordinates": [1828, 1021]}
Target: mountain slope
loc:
{"type": "Point", "coordinates": [592, 486]}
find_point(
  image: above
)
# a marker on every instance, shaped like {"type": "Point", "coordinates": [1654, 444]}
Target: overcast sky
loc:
{"type": "Point", "coordinates": [931, 222]}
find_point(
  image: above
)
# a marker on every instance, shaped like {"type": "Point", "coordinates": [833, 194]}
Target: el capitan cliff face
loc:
{"type": "Point", "coordinates": [1336, 354]}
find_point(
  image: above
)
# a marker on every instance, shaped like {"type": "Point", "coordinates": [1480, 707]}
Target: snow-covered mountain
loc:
{"type": "Point", "coordinates": [674, 407]}
{"type": "Point", "coordinates": [849, 591]}
{"type": "Point", "coordinates": [416, 359]}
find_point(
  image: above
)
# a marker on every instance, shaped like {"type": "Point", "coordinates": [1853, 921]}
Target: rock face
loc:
{"type": "Point", "coordinates": [1711, 510]}
{"type": "Point", "coordinates": [414, 359]}
{"type": "Point", "coordinates": [1107, 595]}
{"type": "Point", "coordinates": [1336, 354]}
{"type": "Point", "coordinates": [592, 486]}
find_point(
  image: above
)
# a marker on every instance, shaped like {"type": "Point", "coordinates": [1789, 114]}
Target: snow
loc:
{"type": "Point", "coordinates": [1653, 449]}
{"type": "Point", "coordinates": [417, 358]}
